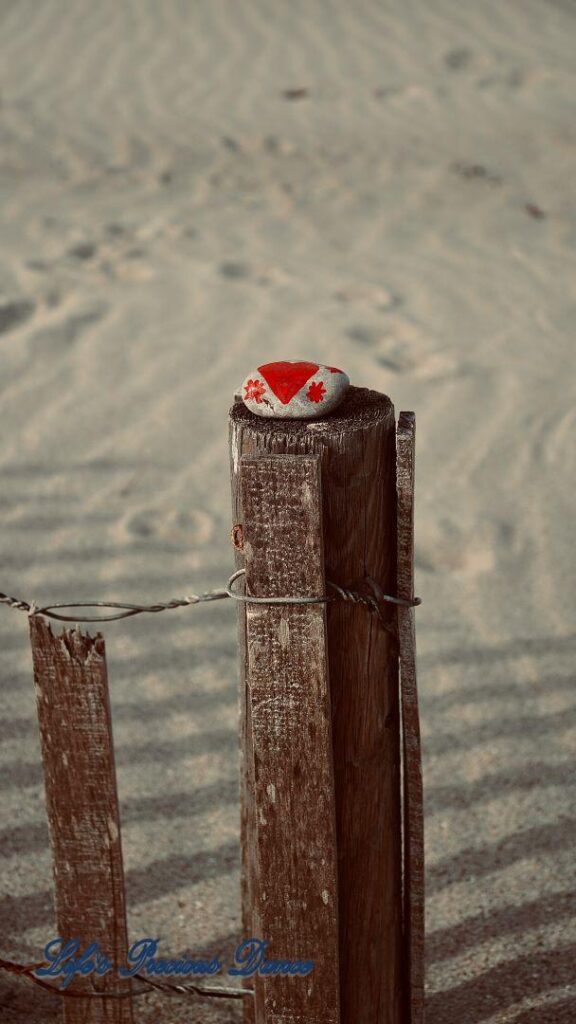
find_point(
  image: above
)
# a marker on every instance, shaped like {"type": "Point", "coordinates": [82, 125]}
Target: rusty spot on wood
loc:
{"type": "Point", "coordinates": [237, 536]}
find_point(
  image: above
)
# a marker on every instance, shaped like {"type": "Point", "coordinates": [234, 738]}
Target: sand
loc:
{"type": "Point", "coordinates": [190, 189]}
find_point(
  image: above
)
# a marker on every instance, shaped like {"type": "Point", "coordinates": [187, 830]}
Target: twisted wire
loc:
{"type": "Point", "coordinates": [166, 987]}
{"type": "Point", "coordinates": [128, 610]}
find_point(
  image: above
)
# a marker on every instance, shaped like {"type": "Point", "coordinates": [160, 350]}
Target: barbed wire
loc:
{"type": "Point", "coordinates": [127, 610]}
{"type": "Point", "coordinates": [31, 608]}
{"type": "Point", "coordinates": [167, 987]}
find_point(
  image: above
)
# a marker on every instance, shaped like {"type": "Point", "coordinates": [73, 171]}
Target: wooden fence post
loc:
{"type": "Point", "coordinates": [296, 900]}
{"type": "Point", "coordinates": [413, 818]}
{"type": "Point", "coordinates": [82, 804]}
{"type": "Point", "coordinates": [357, 449]}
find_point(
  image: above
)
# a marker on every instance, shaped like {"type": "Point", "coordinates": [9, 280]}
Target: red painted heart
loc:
{"type": "Point", "coordinates": [286, 379]}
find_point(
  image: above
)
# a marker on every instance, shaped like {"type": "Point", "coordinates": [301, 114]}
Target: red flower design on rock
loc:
{"type": "Point", "coordinates": [254, 389]}
{"type": "Point", "coordinates": [316, 391]}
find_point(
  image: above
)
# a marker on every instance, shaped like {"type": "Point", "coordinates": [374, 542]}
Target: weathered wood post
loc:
{"type": "Point", "coordinates": [82, 804]}
{"type": "Point", "coordinates": [295, 900]}
{"type": "Point", "coordinates": [412, 797]}
{"type": "Point", "coordinates": [356, 446]}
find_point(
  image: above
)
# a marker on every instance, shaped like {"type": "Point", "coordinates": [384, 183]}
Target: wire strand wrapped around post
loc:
{"type": "Point", "coordinates": [129, 610]}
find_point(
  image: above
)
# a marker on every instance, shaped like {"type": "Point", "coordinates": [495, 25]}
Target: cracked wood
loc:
{"type": "Point", "coordinates": [295, 899]}
{"type": "Point", "coordinates": [413, 815]}
{"type": "Point", "coordinates": [82, 805]}
{"type": "Point", "coordinates": [357, 447]}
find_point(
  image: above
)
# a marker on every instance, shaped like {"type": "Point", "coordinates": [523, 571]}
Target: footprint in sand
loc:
{"type": "Point", "coordinates": [83, 251]}
{"type": "Point", "coordinates": [446, 546]}
{"type": "Point", "coordinates": [476, 172]}
{"type": "Point", "coordinates": [13, 313]}
{"type": "Point", "coordinates": [458, 58]}
{"type": "Point", "coordinates": [60, 337]}
{"type": "Point", "coordinates": [234, 271]}
{"type": "Point", "coordinates": [177, 527]}
{"type": "Point", "coordinates": [380, 298]}
{"type": "Point", "coordinates": [387, 353]}
{"type": "Point", "coordinates": [507, 80]}
{"type": "Point", "coordinates": [401, 347]}
{"type": "Point", "coordinates": [262, 275]}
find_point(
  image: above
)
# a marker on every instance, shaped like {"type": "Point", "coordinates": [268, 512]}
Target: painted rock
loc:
{"type": "Point", "coordinates": [294, 390]}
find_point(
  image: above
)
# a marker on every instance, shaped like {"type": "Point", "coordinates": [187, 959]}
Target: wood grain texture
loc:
{"type": "Point", "coordinates": [296, 899]}
{"type": "Point", "coordinates": [79, 776]}
{"type": "Point", "coordinates": [413, 816]}
{"type": "Point", "coordinates": [246, 754]}
{"type": "Point", "coordinates": [357, 445]}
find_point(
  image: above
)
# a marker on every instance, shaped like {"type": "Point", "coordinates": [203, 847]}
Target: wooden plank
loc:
{"type": "Point", "coordinates": [79, 775]}
{"type": "Point", "coordinates": [247, 819]}
{"type": "Point", "coordinates": [413, 816]}
{"type": "Point", "coordinates": [295, 901]}
{"type": "Point", "coordinates": [357, 446]}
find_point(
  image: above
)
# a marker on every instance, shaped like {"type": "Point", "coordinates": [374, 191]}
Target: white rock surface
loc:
{"type": "Point", "coordinates": [294, 389]}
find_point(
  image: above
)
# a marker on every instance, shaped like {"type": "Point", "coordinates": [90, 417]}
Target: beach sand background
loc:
{"type": "Point", "coordinates": [170, 218]}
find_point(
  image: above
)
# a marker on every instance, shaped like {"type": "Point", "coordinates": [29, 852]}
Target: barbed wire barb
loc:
{"type": "Point", "coordinates": [372, 601]}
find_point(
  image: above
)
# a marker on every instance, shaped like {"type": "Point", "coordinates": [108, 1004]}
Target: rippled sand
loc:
{"type": "Point", "coordinates": [187, 190]}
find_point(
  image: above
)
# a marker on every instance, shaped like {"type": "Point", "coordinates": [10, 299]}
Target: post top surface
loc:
{"type": "Point", "coordinates": [359, 409]}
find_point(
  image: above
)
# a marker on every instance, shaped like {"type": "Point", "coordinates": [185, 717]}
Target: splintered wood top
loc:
{"type": "Point", "coordinates": [360, 408]}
